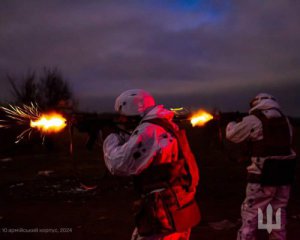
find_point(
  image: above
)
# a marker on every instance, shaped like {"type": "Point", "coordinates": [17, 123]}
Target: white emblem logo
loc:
{"type": "Point", "coordinates": [269, 226]}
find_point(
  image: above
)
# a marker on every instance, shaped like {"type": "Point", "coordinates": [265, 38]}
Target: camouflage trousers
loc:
{"type": "Point", "coordinates": [258, 196]}
{"type": "Point", "coordinates": [173, 236]}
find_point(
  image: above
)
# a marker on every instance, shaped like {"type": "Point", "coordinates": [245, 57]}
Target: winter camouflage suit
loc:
{"type": "Point", "coordinates": [148, 145]}
{"type": "Point", "coordinates": [258, 195]}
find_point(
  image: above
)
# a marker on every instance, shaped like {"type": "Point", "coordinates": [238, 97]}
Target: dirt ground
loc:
{"type": "Point", "coordinates": [41, 196]}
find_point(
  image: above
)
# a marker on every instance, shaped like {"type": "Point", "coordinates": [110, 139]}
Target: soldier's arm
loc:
{"type": "Point", "coordinates": [249, 128]}
{"type": "Point", "coordinates": [133, 156]}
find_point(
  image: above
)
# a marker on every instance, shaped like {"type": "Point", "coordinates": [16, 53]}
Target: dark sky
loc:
{"type": "Point", "coordinates": [213, 54]}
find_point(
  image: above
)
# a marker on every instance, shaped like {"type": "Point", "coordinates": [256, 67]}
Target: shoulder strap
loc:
{"type": "Point", "coordinates": [169, 128]}
{"type": "Point", "coordinates": [183, 146]}
{"type": "Point", "coordinates": [261, 115]}
{"type": "Point", "coordinates": [276, 136]}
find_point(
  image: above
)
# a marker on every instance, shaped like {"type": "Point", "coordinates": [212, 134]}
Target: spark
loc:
{"type": "Point", "coordinates": [20, 115]}
{"type": "Point", "coordinates": [31, 117]}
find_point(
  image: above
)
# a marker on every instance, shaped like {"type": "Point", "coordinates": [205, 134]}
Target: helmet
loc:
{"type": "Point", "coordinates": [260, 97]}
{"type": "Point", "coordinates": [134, 102]}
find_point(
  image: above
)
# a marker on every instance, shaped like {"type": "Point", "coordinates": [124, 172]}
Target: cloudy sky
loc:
{"type": "Point", "coordinates": [205, 53]}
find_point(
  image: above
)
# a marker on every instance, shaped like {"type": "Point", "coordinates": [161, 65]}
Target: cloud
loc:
{"type": "Point", "coordinates": [173, 49]}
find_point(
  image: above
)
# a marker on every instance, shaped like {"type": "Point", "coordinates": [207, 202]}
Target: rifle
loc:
{"type": "Point", "coordinates": [93, 123]}
{"type": "Point", "coordinates": [104, 123]}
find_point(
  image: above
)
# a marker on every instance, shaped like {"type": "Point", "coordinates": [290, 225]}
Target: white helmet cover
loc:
{"type": "Point", "coordinates": [134, 102]}
{"type": "Point", "coordinates": [260, 97]}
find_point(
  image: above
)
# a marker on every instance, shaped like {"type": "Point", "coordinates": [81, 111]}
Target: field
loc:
{"type": "Point", "coordinates": [41, 191]}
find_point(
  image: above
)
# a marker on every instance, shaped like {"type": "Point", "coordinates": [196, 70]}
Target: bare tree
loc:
{"type": "Point", "coordinates": [53, 88]}
{"type": "Point", "coordinates": [27, 91]}
{"type": "Point", "coordinates": [48, 90]}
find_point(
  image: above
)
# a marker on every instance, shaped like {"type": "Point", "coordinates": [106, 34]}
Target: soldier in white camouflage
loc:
{"type": "Point", "coordinates": [157, 155]}
{"type": "Point", "coordinates": [272, 163]}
